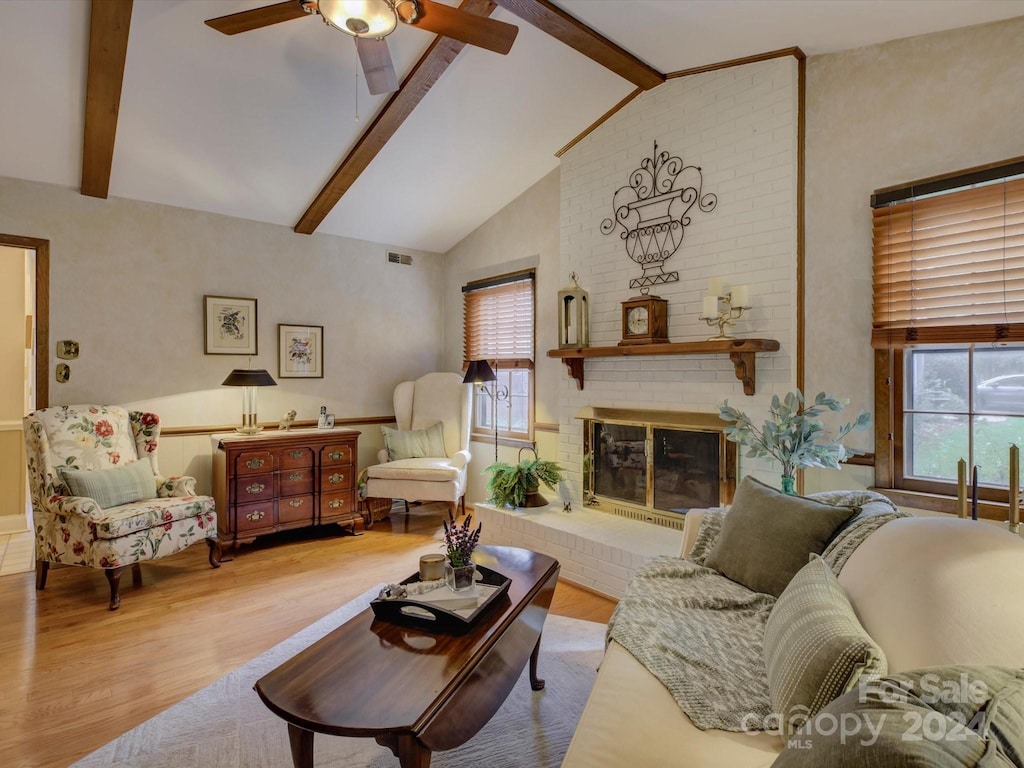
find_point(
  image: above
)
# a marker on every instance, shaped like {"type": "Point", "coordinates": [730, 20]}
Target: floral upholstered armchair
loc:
{"type": "Point", "coordinates": [98, 497]}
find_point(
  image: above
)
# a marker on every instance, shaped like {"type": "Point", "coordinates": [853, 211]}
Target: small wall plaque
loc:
{"type": "Point", "coordinates": [63, 373]}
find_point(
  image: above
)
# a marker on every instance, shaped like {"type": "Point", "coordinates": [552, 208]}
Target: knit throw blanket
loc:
{"type": "Point", "coordinates": [701, 634]}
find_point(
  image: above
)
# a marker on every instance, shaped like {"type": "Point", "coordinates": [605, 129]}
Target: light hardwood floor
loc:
{"type": "Point", "coordinates": [74, 675]}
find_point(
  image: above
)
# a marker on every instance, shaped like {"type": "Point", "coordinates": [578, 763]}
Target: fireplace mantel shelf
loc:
{"type": "Point", "coordinates": [742, 352]}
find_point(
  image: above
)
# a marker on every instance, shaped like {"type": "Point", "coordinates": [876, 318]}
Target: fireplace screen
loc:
{"type": "Point", "coordinates": [666, 468]}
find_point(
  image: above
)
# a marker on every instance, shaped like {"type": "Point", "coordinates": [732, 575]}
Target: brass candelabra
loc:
{"type": "Point", "coordinates": [723, 316]}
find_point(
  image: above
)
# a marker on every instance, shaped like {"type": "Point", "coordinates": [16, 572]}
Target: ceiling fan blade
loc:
{"type": "Point", "coordinates": [476, 30]}
{"type": "Point", "coordinates": [246, 21]}
{"type": "Point", "coordinates": [378, 70]}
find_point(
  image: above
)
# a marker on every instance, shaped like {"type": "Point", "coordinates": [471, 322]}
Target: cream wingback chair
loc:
{"type": "Point", "coordinates": [98, 498]}
{"type": "Point", "coordinates": [437, 398]}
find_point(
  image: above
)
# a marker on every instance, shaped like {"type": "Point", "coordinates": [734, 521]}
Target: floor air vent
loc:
{"type": "Point", "coordinates": [399, 258]}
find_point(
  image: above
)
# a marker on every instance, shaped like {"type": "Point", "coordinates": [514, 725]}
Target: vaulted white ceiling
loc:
{"type": "Point", "coordinates": [253, 125]}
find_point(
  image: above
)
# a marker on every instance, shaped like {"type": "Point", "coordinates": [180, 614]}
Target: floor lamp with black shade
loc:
{"type": "Point", "coordinates": [479, 373]}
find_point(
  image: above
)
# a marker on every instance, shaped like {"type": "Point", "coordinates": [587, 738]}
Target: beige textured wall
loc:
{"type": "Point", "coordinates": [127, 280]}
{"type": "Point", "coordinates": [880, 116]}
{"type": "Point", "coordinates": [523, 234]}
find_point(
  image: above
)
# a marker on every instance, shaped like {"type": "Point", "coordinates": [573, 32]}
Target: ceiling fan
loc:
{"type": "Point", "coordinates": [370, 21]}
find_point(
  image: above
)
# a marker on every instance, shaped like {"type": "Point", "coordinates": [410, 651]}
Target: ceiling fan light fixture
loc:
{"type": "Point", "coordinates": [360, 18]}
{"type": "Point", "coordinates": [408, 10]}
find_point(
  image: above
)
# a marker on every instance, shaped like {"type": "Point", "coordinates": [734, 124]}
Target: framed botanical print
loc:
{"type": "Point", "coordinates": [230, 325]}
{"type": "Point", "coordinates": [300, 350]}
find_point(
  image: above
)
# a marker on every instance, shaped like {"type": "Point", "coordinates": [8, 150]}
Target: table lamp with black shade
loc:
{"type": "Point", "coordinates": [249, 379]}
{"type": "Point", "coordinates": [479, 373]}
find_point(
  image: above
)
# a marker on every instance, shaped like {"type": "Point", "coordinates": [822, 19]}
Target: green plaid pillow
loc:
{"type": "Point", "coordinates": [114, 486]}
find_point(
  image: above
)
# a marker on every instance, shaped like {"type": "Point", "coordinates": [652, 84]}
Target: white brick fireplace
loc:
{"type": "Point", "coordinates": [739, 125]}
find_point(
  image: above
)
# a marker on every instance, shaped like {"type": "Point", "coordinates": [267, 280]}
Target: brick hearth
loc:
{"type": "Point", "coordinates": [597, 550]}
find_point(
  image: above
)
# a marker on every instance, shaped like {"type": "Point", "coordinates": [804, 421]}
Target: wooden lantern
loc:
{"type": "Point", "coordinates": [573, 316]}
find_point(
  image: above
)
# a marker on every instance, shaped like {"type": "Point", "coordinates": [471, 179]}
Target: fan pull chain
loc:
{"type": "Point", "coordinates": [358, 66]}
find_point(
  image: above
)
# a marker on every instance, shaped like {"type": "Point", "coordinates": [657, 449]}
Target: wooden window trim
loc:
{"type": "Point", "coordinates": [501, 354]}
{"type": "Point", "coordinates": [890, 440]}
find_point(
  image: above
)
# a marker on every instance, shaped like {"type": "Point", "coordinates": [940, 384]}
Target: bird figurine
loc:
{"type": "Point", "coordinates": [286, 421]}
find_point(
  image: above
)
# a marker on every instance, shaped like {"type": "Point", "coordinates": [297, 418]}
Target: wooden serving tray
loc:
{"type": "Point", "coordinates": [423, 614]}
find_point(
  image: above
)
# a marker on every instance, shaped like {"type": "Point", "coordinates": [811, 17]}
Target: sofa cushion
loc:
{"type": "Point", "coordinates": [767, 536]}
{"type": "Point", "coordinates": [940, 590]}
{"type": "Point", "coordinates": [631, 719]}
{"type": "Point", "coordinates": [945, 717]}
{"type": "Point", "coordinates": [815, 650]}
{"type": "Point", "coordinates": [414, 443]}
{"type": "Point", "coordinates": [437, 470]}
{"type": "Point", "coordinates": [114, 486]}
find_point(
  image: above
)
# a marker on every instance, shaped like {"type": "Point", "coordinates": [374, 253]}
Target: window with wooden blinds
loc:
{"type": "Point", "coordinates": [949, 265]}
{"type": "Point", "coordinates": [498, 317]}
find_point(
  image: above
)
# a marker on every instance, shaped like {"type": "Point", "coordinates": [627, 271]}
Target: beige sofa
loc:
{"type": "Point", "coordinates": [928, 590]}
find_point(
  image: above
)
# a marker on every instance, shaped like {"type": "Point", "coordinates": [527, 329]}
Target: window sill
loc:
{"type": "Point", "coordinates": [935, 502]}
{"type": "Point", "coordinates": [512, 442]}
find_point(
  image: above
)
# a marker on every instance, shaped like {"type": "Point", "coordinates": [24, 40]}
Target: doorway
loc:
{"type": "Point", "coordinates": [24, 363]}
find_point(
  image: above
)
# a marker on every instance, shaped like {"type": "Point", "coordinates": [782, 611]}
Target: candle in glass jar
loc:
{"type": "Point", "coordinates": [431, 567]}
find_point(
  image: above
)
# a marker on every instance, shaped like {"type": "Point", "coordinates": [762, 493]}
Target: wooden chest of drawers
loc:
{"type": "Point", "coordinates": [279, 480]}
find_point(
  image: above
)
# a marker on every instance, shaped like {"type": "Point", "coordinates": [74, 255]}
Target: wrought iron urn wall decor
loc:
{"type": "Point", "coordinates": [653, 211]}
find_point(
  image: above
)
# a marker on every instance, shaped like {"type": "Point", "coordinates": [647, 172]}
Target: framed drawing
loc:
{"type": "Point", "coordinates": [300, 351]}
{"type": "Point", "coordinates": [230, 325]}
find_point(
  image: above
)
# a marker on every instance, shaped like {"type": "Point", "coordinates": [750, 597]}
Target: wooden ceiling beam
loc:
{"type": "Point", "coordinates": [577, 35]}
{"type": "Point", "coordinates": [108, 47]}
{"type": "Point", "coordinates": [428, 69]}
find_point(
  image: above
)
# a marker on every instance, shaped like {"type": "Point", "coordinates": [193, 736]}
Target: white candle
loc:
{"type": "Point", "coordinates": [710, 306]}
{"type": "Point", "coordinates": [1014, 486]}
{"type": "Point", "coordinates": [741, 296]}
{"type": "Point", "coordinates": [715, 286]}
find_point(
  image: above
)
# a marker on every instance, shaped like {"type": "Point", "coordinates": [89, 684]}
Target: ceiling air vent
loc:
{"type": "Point", "coordinates": [399, 258]}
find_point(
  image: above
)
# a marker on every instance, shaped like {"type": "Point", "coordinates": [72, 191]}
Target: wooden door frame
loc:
{"type": "Point", "coordinates": [42, 310]}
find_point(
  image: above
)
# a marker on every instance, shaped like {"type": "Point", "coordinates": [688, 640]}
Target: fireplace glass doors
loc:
{"type": "Point", "coordinates": [663, 469]}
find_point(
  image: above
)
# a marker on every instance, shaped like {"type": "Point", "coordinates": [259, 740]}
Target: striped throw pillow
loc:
{"type": "Point", "coordinates": [814, 647]}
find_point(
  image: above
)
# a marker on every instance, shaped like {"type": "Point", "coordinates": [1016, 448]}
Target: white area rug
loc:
{"type": "Point", "coordinates": [225, 725]}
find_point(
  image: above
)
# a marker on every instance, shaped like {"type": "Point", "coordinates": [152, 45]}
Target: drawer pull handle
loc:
{"type": "Point", "coordinates": [296, 454]}
{"type": "Point", "coordinates": [296, 503]}
{"type": "Point", "coordinates": [257, 515]}
{"type": "Point", "coordinates": [336, 478]}
{"type": "Point", "coordinates": [255, 487]}
{"type": "Point", "coordinates": [255, 463]}
{"type": "Point", "coordinates": [336, 455]}
{"type": "Point", "coordinates": [295, 476]}
{"type": "Point", "coordinates": [335, 503]}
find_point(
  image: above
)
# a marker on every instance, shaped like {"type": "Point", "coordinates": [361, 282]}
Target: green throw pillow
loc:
{"type": "Point", "coordinates": [415, 443]}
{"type": "Point", "coordinates": [815, 650]}
{"type": "Point", "coordinates": [114, 486]}
{"type": "Point", "coordinates": [767, 536]}
{"type": "Point", "coordinates": [936, 717]}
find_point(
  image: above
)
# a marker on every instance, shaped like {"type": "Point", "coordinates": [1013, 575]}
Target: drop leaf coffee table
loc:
{"type": "Point", "coordinates": [416, 692]}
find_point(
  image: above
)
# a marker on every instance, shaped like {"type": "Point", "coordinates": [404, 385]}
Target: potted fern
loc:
{"type": "Point", "coordinates": [793, 435]}
{"type": "Point", "coordinates": [518, 485]}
